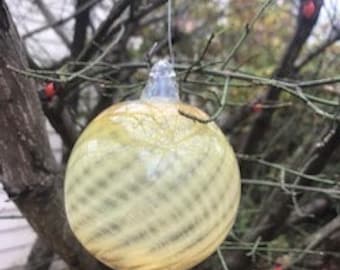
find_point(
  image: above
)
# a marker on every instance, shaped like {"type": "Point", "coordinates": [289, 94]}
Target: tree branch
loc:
{"type": "Point", "coordinates": [315, 208]}
{"type": "Point", "coordinates": [103, 29]}
{"type": "Point", "coordinates": [40, 257]}
{"type": "Point", "coordinates": [28, 171]}
{"type": "Point", "coordinates": [80, 28]}
{"type": "Point", "coordinates": [269, 222]}
{"type": "Point", "coordinates": [262, 121]}
{"type": "Point", "coordinates": [51, 20]}
{"type": "Point", "coordinates": [318, 237]}
{"type": "Point", "coordinates": [131, 27]}
{"type": "Point", "coordinates": [61, 21]}
{"type": "Point", "coordinates": [329, 42]}
{"type": "Point", "coordinates": [61, 121]}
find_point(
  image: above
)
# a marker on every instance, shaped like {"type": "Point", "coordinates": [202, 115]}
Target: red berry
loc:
{"type": "Point", "coordinates": [257, 107]}
{"type": "Point", "coordinates": [308, 9]}
{"type": "Point", "coordinates": [278, 267]}
{"type": "Point", "coordinates": [49, 90]}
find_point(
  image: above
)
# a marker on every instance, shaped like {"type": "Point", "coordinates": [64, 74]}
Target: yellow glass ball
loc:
{"type": "Point", "coordinates": [149, 189]}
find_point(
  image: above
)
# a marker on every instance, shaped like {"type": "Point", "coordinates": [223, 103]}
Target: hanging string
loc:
{"type": "Point", "coordinates": [171, 52]}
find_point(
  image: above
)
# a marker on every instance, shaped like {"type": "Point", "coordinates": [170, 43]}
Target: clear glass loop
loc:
{"type": "Point", "coordinates": [162, 82]}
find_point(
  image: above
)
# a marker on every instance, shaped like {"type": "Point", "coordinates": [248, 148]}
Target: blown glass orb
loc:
{"type": "Point", "coordinates": [148, 188]}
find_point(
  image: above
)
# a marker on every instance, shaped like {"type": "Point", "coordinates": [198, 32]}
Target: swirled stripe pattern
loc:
{"type": "Point", "coordinates": [150, 189]}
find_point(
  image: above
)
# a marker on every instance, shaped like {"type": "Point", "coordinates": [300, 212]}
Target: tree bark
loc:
{"type": "Point", "coordinates": [28, 170]}
{"type": "Point", "coordinates": [41, 256]}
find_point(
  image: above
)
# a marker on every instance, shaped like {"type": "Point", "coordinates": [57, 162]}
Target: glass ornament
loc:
{"type": "Point", "coordinates": [148, 188]}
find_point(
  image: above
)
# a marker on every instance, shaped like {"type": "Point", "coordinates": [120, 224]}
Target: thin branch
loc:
{"type": "Point", "coordinates": [222, 260]}
{"type": "Point", "coordinates": [289, 87]}
{"type": "Point", "coordinates": [200, 58]}
{"type": "Point", "coordinates": [61, 21]}
{"type": "Point", "coordinates": [247, 30]}
{"type": "Point", "coordinates": [280, 167]}
{"type": "Point", "coordinates": [285, 70]}
{"type": "Point", "coordinates": [318, 237]}
{"type": "Point", "coordinates": [11, 217]}
{"type": "Point", "coordinates": [103, 29]}
{"type": "Point", "coordinates": [100, 57]}
{"type": "Point", "coordinates": [333, 192]}
{"type": "Point", "coordinates": [218, 111]}
{"type": "Point", "coordinates": [270, 221]}
{"type": "Point", "coordinates": [316, 207]}
{"type": "Point", "coordinates": [51, 20]}
{"type": "Point", "coordinates": [308, 58]}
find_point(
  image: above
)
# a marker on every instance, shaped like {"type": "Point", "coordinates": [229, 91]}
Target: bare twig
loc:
{"type": "Point", "coordinates": [61, 21]}
{"type": "Point", "coordinates": [200, 59]}
{"type": "Point", "coordinates": [11, 217]}
{"type": "Point", "coordinates": [276, 84]}
{"type": "Point", "coordinates": [329, 42]}
{"type": "Point", "coordinates": [100, 57]}
{"type": "Point", "coordinates": [219, 110]}
{"type": "Point", "coordinates": [103, 30]}
{"type": "Point", "coordinates": [311, 209]}
{"type": "Point", "coordinates": [222, 260]}
{"type": "Point", "coordinates": [51, 20]}
{"type": "Point", "coordinates": [316, 238]}
{"type": "Point", "coordinates": [247, 30]}
{"type": "Point", "coordinates": [269, 221]}
{"type": "Point", "coordinates": [330, 191]}
{"type": "Point", "coordinates": [285, 69]}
